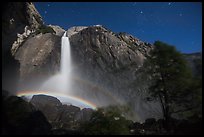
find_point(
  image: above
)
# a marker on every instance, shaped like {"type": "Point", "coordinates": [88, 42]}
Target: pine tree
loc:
{"type": "Point", "coordinates": [172, 80]}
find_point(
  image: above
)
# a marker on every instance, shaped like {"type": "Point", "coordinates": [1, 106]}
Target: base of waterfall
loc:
{"type": "Point", "coordinates": [58, 82]}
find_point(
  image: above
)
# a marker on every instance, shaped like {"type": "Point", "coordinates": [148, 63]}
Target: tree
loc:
{"type": "Point", "coordinates": [172, 80]}
{"type": "Point", "coordinates": [106, 121]}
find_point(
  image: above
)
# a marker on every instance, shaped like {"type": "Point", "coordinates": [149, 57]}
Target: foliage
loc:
{"type": "Point", "coordinates": [106, 121]}
{"type": "Point", "coordinates": [44, 29]}
{"type": "Point", "coordinates": [173, 84]}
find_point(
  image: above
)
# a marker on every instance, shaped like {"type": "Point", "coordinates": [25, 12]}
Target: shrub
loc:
{"type": "Point", "coordinates": [45, 29]}
{"type": "Point", "coordinates": [106, 121]}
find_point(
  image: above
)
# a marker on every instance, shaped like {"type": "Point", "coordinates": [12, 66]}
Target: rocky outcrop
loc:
{"type": "Point", "coordinates": [109, 51]}
{"type": "Point", "coordinates": [48, 105]}
{"type": "Point", "coordinates": [73, 30]}
{"type": "Point", "coordinates": [21, 118]}
{"type": "Point", "coordinates": [19, 19]}
{"type": "Point", "coordinates": [59, 31]}
{"type": "Point", "coordinates": [40, 100]}
{"type": "Point", "coordinates": [61, 115]}
{"type": "Point", "coordinates": [20, 39]}
{"type": "Point", "coordinates": [16, 17]}
{"type": "Point", "coordinates": [26, 53]}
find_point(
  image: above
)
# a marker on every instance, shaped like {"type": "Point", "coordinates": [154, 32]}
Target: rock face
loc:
{"type": "Point", "coordinates": [45, 100]}
{"type": "Point", "coordinates": [16, 16]}
{"type": "Point", "coordinates": [47, 104]}
{"type": "Point", "coordinates": [26, 55]}
{"type": "Point", "coordinates": [39, 57]}
{"type": "Point", "coordinates": [113, 61]}
{"type": "Point", "coordinates": [60, 115]}
{"type": "Point", "coordinates": [18, 20]}
{"type": "Point", "coordinates": [73, 30]}
{"type": "Point", "coordinates": [59, 31]}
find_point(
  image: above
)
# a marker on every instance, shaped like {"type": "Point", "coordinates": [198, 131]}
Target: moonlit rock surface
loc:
{"type": "Point", "coordinates": [76, 29]}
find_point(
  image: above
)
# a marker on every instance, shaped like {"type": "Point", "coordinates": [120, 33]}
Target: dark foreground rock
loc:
{"type": "Point", "coordinates": [61, 116]}
{"type": "Point", "coordinates": [21, 118]}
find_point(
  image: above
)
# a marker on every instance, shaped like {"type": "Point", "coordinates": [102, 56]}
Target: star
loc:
{"type": "Point", "coordinates": [169, 3]}
{"type": "Point", "coordinates": [141, 12]}
{"type": "Point", "coordinates": [48, 5]}
{"type": "Point", "coordinates": [180, 14]}
{"type": "Point", "coordinates": [45, 12]}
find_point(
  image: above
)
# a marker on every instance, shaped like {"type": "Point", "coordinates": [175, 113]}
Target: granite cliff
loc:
{"type": "Point", "coordinates": [18, 21]}
{"type": "Point", "coordinates": [111, 62]}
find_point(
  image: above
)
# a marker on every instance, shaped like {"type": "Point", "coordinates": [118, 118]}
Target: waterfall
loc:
{"type": "Point", "coordinates": [60, 85]}
{"type": "Point", "coordinates": [65, 68]}
{"type": "Point", "coordinates": [61, 82]}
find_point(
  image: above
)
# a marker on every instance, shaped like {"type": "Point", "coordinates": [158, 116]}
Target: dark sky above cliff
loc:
{"type": "Point", "coordinates": [176, 23]}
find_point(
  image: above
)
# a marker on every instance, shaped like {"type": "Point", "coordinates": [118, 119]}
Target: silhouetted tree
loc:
{"type": "Point", "coordinates": [173, 84]}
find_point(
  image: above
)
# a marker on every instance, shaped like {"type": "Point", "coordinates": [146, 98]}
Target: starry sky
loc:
{"type": "Point", "coordinates": [176, 23]}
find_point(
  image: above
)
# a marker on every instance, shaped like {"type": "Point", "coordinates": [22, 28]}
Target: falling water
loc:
{"type": "Point", "coordinates": [65, 55]}
{"type": "Point", "coordinates": [65, 68]}
{"type": "Point", "coordinates": [61, 82]}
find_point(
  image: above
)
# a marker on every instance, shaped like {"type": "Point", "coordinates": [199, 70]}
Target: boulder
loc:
{"type": "Point", "coordinates": [60, 116]}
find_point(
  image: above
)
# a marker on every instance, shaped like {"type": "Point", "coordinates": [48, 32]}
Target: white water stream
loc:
{"type": "Point", "coordinates": [61, 82]}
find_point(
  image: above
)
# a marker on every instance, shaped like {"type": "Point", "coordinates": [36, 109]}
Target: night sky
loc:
{"type": "Point", "coordinates": [176, 23]}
